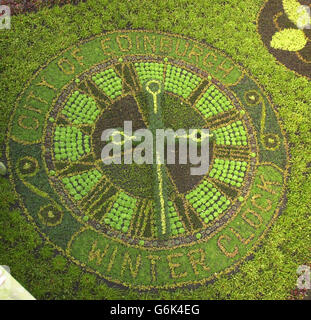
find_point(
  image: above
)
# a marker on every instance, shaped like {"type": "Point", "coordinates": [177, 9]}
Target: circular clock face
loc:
{"type": "Point", "coordinates": [147, 225]}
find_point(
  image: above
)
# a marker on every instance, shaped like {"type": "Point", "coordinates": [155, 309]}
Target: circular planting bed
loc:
{"type": "Point", "coordinates": [284, 26]}
{"type": "Point", "coordinates": [147, 225]}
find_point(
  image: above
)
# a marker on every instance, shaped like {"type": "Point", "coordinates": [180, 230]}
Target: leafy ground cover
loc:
{"type": "Point", "coordinates": [31, 42]}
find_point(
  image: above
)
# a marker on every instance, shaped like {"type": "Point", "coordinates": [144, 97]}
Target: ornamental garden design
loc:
{"type": "Point", "coordinates": [106, 218]}
{"type": "Point", "coordinates": [285, 29]}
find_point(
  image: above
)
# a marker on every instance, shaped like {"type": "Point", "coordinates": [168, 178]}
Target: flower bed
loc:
{"type": "Point", "coordinates": [41, 268]}
{"type": "Point", "coordinates": [220, 215]}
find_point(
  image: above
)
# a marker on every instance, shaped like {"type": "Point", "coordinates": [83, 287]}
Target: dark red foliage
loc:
{"type": "Point", "coordinates": [24, 6]}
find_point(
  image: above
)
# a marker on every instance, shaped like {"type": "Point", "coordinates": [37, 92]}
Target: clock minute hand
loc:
{"type": "Point", "coordinates": [154, 89]}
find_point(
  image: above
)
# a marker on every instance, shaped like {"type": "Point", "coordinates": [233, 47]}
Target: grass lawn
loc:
{"type": "Point", "coordinates": [35, 38]}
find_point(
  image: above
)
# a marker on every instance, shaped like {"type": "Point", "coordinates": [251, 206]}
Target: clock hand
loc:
{"type": "Point", "coordinates": [155, 93]}
{"type": "Point", "coordinates": [154, 89]}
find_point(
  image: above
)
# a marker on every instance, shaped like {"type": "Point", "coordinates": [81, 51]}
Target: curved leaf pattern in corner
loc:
{"type": "Point", "coordinates": [292, 39]}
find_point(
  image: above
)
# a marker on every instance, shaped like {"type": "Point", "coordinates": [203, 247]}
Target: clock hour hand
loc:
{"type": "Point", "coordinates": [154, 91]}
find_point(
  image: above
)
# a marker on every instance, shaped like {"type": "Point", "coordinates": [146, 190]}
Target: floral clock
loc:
{"type": "Point", "coordinates": [140, 225]}
{"type": "Point", "coordinates": [285, 28]}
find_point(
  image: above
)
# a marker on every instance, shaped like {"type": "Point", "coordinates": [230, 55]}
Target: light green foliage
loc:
{"type": "Point", "coordinates": [208, 201]}
{"type": "Point", "coordinates": [79, 185]}
{"type": "Point", "coordinates": [149, 70]}
{"type": "Point", "coordinates": [198, 236]}
{"type": "Point", "coordinates": [180, 81]}
{"type": "Point", "coordinates": [213, 102]}
{"type": "Point", "coordinates": [229, 171]}
{"type": "Point", "coordinates": [293, 10]}
{"type": "Point", "coordinates": [176, 225]}
{"type": "Point", "coordinates": [119, 217]}
{"type": "Point", "coordinates": [109, 82]}
{"type": "Point", "coordinates": [233, 134]}
{"type": "Point", "coordinates": [292, 39]}
{"type": "Point", "coordinates": [289, 39]}
{"type": "Point", "coordinates": [81, 109]}
{"type": "Point", "coordinates": [70, 143]}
